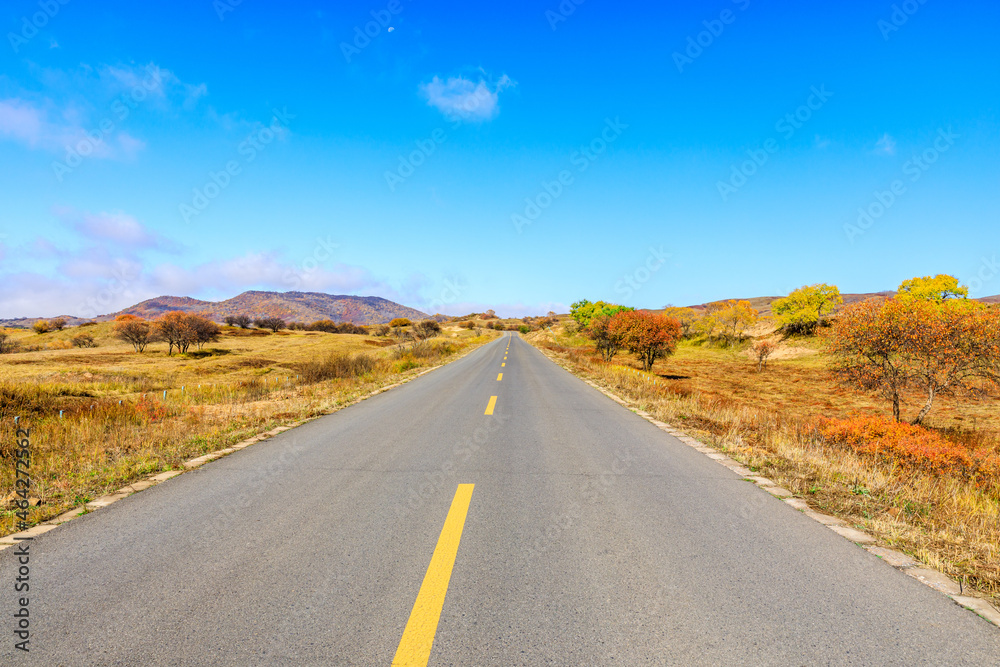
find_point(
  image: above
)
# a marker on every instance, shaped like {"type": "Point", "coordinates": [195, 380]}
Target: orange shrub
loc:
{"type": "Point", "coordinates": [645, 334]}
{"type": "Point", "coordinates": [910, 445]}
{"type": "Point", "coordinates": [151, 409]}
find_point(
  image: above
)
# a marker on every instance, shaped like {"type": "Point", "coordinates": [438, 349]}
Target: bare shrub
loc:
{"type": "Point", "coordinates": [7, 344]}
{"type": "Point", "coordinates": [340, 365]}
{"type": "Point", "coordinates": [762, 350]}
{"type": "Point", "coordinates": [83, 340]}
{"type": "Point", "coordinates": [427, 329]}
{"type": "Point", "coordinates": [272, 323]}
{"type": "Point", "coordinates": [132, 330]}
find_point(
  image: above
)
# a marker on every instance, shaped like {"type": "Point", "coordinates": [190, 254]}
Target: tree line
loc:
{"type": "Point", "coordinates": [177, 329]}
{"type": "Point", "coordinates": [181, 330]}
{"type": "Point", "coordinates": [928, 338]}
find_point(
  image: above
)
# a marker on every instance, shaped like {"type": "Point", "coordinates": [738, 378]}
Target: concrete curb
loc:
{"type": "Point", "coordinates": [931, 578]}
{"type": "Point", "coordinates": [124, 492]}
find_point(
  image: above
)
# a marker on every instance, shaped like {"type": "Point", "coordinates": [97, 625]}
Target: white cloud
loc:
{"type": "Point", "coordinates": [118, 266]}
{"type": "Point", "coordinates": [93, 281]}
{"type": "Point", "coordinates": [459, 98]}
{"type": "Point", "coordinates": [886, 145]}
{"type": "Point", "coordinates": [21, 121]}
{"type": "Point", "coordinates": [63, 116]}
{"type": "Point", "coordinates": [114, 227]}
{"type": "Point", "coordinates": [129, 145]}
{"type": "Point", "coordinates": [158, 82]}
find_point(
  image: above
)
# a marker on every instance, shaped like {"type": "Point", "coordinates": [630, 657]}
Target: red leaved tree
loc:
{"type": "Point", "coordinates": [179, 329]}
{"type": "Point", "coordinates": [176, 330]}
{"type": "Point", "coordinates": [133, 330]}
{"type": "Point", "coordinates": [888, 345]}
{"type": "Point", "coordinates": [645, 334]}
{"type": "Point", "coordinates": [606, 341]}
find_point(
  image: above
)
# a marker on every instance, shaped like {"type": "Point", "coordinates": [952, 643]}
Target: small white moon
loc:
{"type": "Point", "coordinates": [391, 28]}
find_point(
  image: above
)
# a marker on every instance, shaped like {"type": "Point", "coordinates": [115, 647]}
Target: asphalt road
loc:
{"type": "Point", "coordinates": [591, 538]}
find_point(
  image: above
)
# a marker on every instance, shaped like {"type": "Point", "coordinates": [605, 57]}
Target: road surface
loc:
{"type": "Point", "coordinates": [561, 529]}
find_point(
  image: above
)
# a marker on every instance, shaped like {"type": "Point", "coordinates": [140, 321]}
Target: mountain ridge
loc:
{"type": "Point", "coordinates": [290, 306]}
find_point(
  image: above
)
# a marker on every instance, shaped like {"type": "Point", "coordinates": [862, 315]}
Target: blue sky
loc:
{"type": "Point", "coordinates": [515, 156]}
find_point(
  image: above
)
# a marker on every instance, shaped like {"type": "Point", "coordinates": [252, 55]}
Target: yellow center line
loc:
{"type": "Point", "coordinates": [502, 365]}
{"type": "Point", "coordinates": [499, 377]}
{"type": "Point", "coordinates": [418, 637]}
{"type": "Point", "coordinates": [493, 404]}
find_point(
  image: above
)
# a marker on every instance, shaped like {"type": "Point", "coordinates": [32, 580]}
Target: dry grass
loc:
{"type": "Point", "coordinates": [117, 425]}
{"type": "Point", "coordinates": [767, 421]}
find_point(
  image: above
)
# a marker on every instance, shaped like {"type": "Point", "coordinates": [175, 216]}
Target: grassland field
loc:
{"type": "Point", "coordinates": [128, 415]}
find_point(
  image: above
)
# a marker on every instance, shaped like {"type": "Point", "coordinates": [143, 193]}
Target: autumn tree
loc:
{"type": "Point", "coordinates": [133, 330]}
{"type": "Point", "coordinates": [804, 309]}
{"type": "Point", "coordinates": [583, 311]}
{"type": "Point", "coordinates": [400, 322]}
{"type": "Point", "coordinates": [607, 341]}
{"type": "Point", "coordinates": [645, 334]}
{"type": "Point", "coordinates": [708, 323]}
{"type": "Point", "coordinates": [241, 321]}
{"type": "Point", "coordinates": [762, 351]}
{"type": "Point", "coordinates": [83, 340]}
{"type": "Point", "coordinates": [275, 324]}
{"type": "Point", "coordinates": [328, 326]}
{"type": "Point", "coordinates": [957, 351]}
{"type": "Point", "coordinates": [687, 317]}
{"type": "Point", "coordinates": [352, 328]}
{"type": "Point", "coordinates": [41, 327]}
{"type": "Point", "coordinates": [735, 317]}
{"type": "Point", "coordinates": [175, 329]}
{"type": "Point", "coordinates": [950, 346]}
{"type": "Point", "coordinates": [427, 329]}
{"type": "Point", "coordinates": [205, 330]}
{"type": "Point", "coordinates": [7, 344]}
{"type": "Point", "coordinates": [59, 323]}
{"type": "Point", "coordinates": [867, 345]}
{"type": "Point", "coordinates": [933, 288]}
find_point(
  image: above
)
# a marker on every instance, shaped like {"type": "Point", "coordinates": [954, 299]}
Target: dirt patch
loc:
{"type": "Point", "coordinates": [255, 362]}
{"type": "Point", "coordinates": [246, 333]}
{"type": "Point", "coordinates": [788, 352]}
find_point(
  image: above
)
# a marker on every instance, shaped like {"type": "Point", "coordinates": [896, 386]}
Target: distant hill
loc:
{"type": "Point", "coordinates": [289, 306]}
{"type": "Point", "coordinates": [763, 303]}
